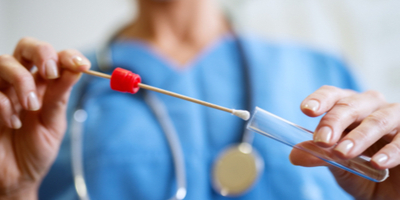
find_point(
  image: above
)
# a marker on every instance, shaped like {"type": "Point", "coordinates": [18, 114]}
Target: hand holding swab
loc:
{"type": "Point", "coordinates": [125, 81]}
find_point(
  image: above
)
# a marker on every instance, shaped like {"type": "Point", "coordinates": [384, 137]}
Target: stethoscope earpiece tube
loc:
{"type": "Point", "coordinates": [79, 118]}
{"type": "Point", "coordinates": [244, 149]}
{"type": "Point", "coordinates": [161, 113]}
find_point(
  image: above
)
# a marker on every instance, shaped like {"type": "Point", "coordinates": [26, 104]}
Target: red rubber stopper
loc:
{"type": "Point", "coordinates": [123, 80]}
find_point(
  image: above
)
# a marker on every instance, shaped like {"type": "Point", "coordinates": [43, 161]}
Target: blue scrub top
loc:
{"type": "Point", "coordinates": [126, 155]}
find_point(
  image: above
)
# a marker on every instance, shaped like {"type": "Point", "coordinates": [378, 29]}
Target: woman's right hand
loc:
{"type": "Point", "coordinates": [33, 112]}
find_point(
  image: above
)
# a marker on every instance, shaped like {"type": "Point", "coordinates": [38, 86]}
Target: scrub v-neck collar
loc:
{"type": "Point", "coordinates": [155, 68]}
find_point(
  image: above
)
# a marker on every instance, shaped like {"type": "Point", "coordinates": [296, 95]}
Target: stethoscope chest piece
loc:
{"type": "Point", "coordinates": [236, 170]}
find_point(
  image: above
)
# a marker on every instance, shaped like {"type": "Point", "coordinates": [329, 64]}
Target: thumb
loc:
{"type": "Point", "coordinates": [58, 91]}
{"type": "Point", "coordinates": [55, 100]}
{"type": "Point", "coordinates": [302, 158]}
{"type": "Point", "coordinates": [351, 183]}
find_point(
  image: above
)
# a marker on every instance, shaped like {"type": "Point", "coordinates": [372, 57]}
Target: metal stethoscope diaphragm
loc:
{"type": "Point", "coordinates": [235, 171]}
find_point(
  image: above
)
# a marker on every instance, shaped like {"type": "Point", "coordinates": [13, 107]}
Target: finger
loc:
{"type": "Point", "coordinates": [344, 178]}
{"type": "Point", "coordinates": [371, 129]}
{"type": "Point", "coordinates": [40, 54]}
{"type": "Point", "coordinates": [21, 79]}
{"type": "Point", "coordinates": [346, 111]}
{"type": "Point", "coordinates": [73, 60]}
{"type": "Point", "coordinates": [303, 158]}
{"type": "Point", "coordinates": [7, 114]}
{"type": "Point", "coordinates": [348, 180]}
{"type": "Point", "coordinates": [389, 155]}
{"type": "Point", "coordinates": [323, 99]}
{"type": "Point", "coordinates": [55, 101]}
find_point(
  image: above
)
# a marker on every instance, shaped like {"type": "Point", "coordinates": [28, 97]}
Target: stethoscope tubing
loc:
{"type": "Point", "coordinates": [171, 135]}
{"type": "Point", "coordinates": [104, 60]}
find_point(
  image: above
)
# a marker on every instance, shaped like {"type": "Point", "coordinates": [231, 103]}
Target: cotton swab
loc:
{"type": "Point", "coordinates": [125, 81]}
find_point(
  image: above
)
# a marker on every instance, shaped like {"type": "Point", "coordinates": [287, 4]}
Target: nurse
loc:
{"type": "Point", "coordinates": [186, 47]}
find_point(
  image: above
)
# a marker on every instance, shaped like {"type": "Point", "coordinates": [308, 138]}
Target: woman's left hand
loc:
{"type": "Point", "coordinates": [372, 126]}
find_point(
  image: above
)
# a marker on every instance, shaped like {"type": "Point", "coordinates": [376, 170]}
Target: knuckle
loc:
{"type": "Point", "coordinates": [347, 102]}
{"type": "Point", "coordinates": [327, 92]}
{"type": "Point", "coordinates": [331, 117]}
{"type": "Point", "coordinates": [360, 135]}
{"type": "Point", "coordinates": [25, 40]}
{"type": "Point", "coordinates": [43, 48]}
{"type": "Point", "coordinates": [378, 119]}
{"type": "Point", "coordinates": [23, 79]}
{"type": "Point", "coordinates": [322, 93]}
{"type": "Point", "coordinates": [375, 94]}
{"type": "Point", "coordinates": [67, 53]}
{"type": "Point", "coordinates": [350, 106]}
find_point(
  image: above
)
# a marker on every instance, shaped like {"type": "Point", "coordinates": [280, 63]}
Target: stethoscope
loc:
{"type": "Point", "coordinates": [235, 171]}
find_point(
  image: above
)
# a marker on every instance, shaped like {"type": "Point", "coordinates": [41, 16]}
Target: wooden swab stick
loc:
{"type": "Point", "coordinates": [99, 74]}
{"type": "Point", "coordinates": [244, 114]}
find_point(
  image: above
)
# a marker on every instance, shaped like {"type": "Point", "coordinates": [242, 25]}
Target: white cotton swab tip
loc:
{"type": "Point", "coordinates": [244, 114]}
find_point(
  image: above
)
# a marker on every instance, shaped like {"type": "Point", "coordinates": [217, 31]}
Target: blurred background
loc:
{"type": "Point", "coordinates": [366, 33]}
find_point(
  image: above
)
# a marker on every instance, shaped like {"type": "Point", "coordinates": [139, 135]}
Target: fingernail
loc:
{"type": "Point", "coordinates": [312, 105]}
{"type": "Point", "coordinates": [15, 122]}
{"type": "Point", "coordinates": [33, 102]}
{"type": "Point", "coordinates": [79, 61]}
{"type": "Point", "coordinates": [51, 69]}
{"type": "Point", "coordinates": [344, 147]}
{"type": "Point", "coordinates": [324, 135]}
{"type": "Point", "coordinates": [380, 159]}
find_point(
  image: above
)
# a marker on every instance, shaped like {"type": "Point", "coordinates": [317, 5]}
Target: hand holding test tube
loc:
{"type": "Point", "coordinates": [295, 136]}
{"type": "Point", "coordinates": [355, 124]}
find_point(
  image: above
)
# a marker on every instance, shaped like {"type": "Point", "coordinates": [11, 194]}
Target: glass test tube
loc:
{"type": "Point", "coordinates": [291, 134]}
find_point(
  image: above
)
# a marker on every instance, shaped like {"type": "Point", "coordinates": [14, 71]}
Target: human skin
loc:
{"type": "Point", "coordinates": [356, 123]}
{"type": "Point", "coordinates": [32, 113]}
{"type": "Point", "coordinates": [32, 125]}
{"type": "Point", "coordinates": [33, 106]}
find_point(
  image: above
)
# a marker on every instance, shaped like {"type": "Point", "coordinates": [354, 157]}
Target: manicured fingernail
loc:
{"type": "Point", "coordinates": [51, 69]}
{"type": "Point", "coordinates": [15, 122]}
{"type": "Point", "coordinates": [380, 159]}
{"type": "Point", "coordinates": [324, 135]}
{"type": "Point", "coordinates": [312, 105]}
{"type": "Point", "coordinates": [344, 147]}
{"type": "Point", "coordinates": [33, 102]}
{"type": "Point", "coordinates": [79, 61]}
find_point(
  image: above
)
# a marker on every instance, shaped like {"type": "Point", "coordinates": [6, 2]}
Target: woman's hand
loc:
{"type": "Point", "coordinates": [33, 112]}
{"type": "Point", "coordinates": [372, 126]}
